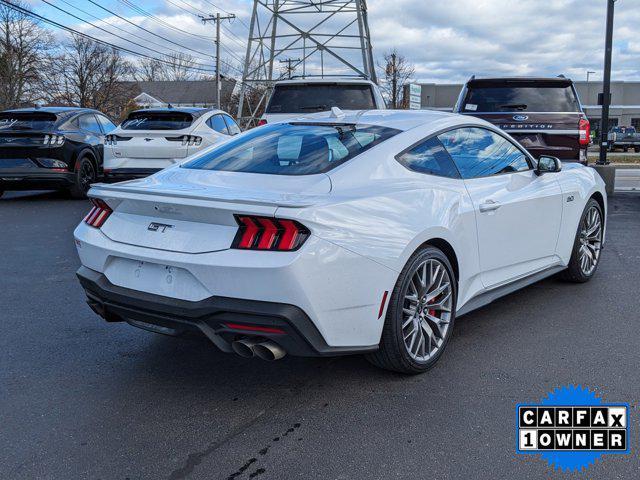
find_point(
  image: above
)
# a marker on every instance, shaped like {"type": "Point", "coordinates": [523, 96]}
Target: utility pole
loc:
{"type": "Point", "coordinates": [606, 90]}
{"type": "Point", "coordinates": [217, 18]}
{"type": "Point", "coordinates": [290, 69]}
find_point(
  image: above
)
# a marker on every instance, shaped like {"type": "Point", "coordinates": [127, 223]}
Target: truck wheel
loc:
{"type": "Point", "coordinates": [625, 149]}
{"type": "Point", "coordinates": [636, 149]}
{"type": "Point", "coordinates": [85, 176]}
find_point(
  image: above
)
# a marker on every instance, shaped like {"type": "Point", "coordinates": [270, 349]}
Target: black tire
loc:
{"type": "Point", "coordinates": [575, 273]}
{"type": "Point", "coordinates": [393, 352]}
{"type": "Point", "coordinates": [85, 175]}
{"type": "Point", "coordinates": [636, 149]}
{"type": "Point", "coordinates": [625, 149]}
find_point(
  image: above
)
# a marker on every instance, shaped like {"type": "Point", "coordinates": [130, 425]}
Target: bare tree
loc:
{"type": "Point", "coordinates": [396, 71]}
{"type": "Point", "coordinates": [179, 67]}
{"type": "Point", "coordinates": [150, 70]}
{"type": "Point", "coordinates": [23, 47]}
{"type": "Point", "coordinates": [89, 74]}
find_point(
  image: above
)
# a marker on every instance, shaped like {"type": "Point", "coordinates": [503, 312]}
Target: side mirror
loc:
{"type": "Point", "coordinates": [547, 164]}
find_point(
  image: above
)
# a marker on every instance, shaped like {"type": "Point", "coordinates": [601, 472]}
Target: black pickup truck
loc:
{"type": "Point", "coordinates": [624, 138]}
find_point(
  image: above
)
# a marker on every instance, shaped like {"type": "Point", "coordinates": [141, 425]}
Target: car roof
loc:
{"type": "Point", "coordinates": [195, 111]}
{"type": "Point", "coordinates": [55, 110]}
{"type": "Point", "coordinates": [352, 80]}
{"type": "Point", "coordinates": [398, 119]}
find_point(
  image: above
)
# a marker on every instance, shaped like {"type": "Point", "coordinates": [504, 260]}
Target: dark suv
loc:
{"type": "Point", "coordinates": [51, 148]}
{"type": "Point", "coordinates": [543, 114]}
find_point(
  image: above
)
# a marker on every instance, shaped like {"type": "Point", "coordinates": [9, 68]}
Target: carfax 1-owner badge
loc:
{"type": "Point", "coordinates": [572, 427]}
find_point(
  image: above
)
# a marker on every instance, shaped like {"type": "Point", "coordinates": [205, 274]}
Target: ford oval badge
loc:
{"type": "Point", "coordinates": [520, 118]}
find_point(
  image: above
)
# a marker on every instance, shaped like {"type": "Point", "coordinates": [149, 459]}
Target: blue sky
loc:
{"type": "Point", "coordinates": [447, 41]}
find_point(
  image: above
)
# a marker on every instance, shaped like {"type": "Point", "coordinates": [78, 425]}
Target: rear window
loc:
{"type": "Point", "coordinates": [308, 98]}
{"type": "Point", "coordinates": [157, 121]}
{"type": "Point", "coordinates": [539, 98]}
{"type": "Point", "coordinates": [291, 148]}
{"type": "Point", "coordinates": [623, 130]}
{"type": "Point", "coordinates": [27, 121]}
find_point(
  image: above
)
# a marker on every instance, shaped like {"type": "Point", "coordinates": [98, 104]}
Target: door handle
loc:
{"type": "Point", "coordinates": [490, 206]}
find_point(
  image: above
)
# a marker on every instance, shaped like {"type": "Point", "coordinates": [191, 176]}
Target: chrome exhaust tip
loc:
{"type": "Point", "coordinates": [245, 347]}
{"type": "Point", "coordinates": [269, 351]}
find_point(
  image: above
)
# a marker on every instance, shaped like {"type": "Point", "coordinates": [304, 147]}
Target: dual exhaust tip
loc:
{"type": "Point", "coordinates": [264, 349]}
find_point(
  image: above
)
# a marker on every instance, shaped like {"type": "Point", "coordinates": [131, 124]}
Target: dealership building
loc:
{"type": "Point", "coordinates": [625, 100]}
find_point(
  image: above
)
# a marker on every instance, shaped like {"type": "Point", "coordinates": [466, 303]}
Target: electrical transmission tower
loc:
{"type": "Point", "coordinates": [328, 38]}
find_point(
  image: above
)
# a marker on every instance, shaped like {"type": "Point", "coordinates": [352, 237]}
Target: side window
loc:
{"type": "Point", "coordinates": [89, 123]}
{"type": "Point", "coordinates": [217, 123]}
{"type": "Point", "coordinates": [232, 126]}
{"type": "Point", "coordinates": [107, 126]}
{"type": "Point", "coordinates": [431, 158]}
{"type": "Point", "coordinates": [478, 152]}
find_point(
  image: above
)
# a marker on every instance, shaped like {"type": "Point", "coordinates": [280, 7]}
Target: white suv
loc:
{"type": "Point", "coordinates": [152, 139]}
{"type": "Point", "coordinates": [293, 98]}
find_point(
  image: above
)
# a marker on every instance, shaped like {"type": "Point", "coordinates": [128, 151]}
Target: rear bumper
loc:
{"type": "Point", "coordinates": [35, 179]}
{"type": "Point", "coordinates": [120, 174]}
{"type": "Point", "coordinates": [209, 316]}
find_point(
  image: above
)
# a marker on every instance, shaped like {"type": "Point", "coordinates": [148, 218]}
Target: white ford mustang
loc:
{"type": "Point", "coordinates": [363, 232]}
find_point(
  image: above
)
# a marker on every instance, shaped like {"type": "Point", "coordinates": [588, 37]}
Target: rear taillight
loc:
{"type": "Point", "coordinates": [98, 214]}
{"type": "Point", "coordinates": [53, 140]}
{"type": "Point", "coordinates": [268, 233]}
{"type": "Point", "coordinates": [261, 122]}
{"type": "Point", "coordinates": [191, 140]}
{"type": "Point", "coordinates": [585, 131]}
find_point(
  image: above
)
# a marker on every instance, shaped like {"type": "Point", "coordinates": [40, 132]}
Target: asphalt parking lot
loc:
{"type": "Point", "coordinates": [80, 398]}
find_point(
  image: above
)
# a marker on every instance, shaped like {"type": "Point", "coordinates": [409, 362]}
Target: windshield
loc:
{"type": "Point", "coordinates": [27, 121]}
{"type": "Point", "coordinates": [292, 149]}
{"type": "Point", "coordinates": [312, 97]}
{"type": "Point", "coordinates": [157, 121]}
{"type": "Point", "coordinates": [521, 99]}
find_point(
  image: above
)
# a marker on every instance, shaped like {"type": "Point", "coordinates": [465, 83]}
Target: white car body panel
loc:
{"type": "Point", "coordinates": [366, 217]}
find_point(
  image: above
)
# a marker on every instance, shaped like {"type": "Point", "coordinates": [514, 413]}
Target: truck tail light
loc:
{"type": "Point", "coordinates": [261, 122]}
{"type": "Point", "coordinates": [585, 131]}
{"type": "Point", "coordinates": [268, 233]}
{"type": "Point", "coordinates": [98, 214]}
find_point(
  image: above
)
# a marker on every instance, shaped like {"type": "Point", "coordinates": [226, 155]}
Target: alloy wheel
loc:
{"type": "Point", "coordinates": [426, 312]}
{"type": "Point", "coordinates": [87, 176]}
{"type": "Point", "coordinates": [590, 241]}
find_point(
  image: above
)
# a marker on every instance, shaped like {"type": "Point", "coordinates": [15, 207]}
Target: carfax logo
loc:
{"type": "Point", "coordinates": [572, 427]}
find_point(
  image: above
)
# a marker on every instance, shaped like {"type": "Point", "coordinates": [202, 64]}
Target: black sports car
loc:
{"type": "Point", "coordinates": [45, 148]}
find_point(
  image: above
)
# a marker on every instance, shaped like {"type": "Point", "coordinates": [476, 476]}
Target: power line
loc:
{"type": "Point", "coordinates": [235, 38]}
{"type": "Point", "coordinates": [227, 12]}
{"type": "Point", "coordinates": [97, 40]}
{"type": "Point", "coordinates": [128, 32]}
{"type": "Point", "coordinates": [98, 27]}
{"type": "Point", "coordinates": [146, 30]}
{"type": "Point", "coordinates": [143, 12]}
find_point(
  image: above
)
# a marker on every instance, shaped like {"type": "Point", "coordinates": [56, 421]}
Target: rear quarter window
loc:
{"type": "Point", "coordinates": [309, 98]}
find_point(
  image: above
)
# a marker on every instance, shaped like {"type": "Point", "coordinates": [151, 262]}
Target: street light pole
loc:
{"type": "Point", "coordinates": [217, 18]}
{"type": "Point", "coordinates": [606, 90]}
